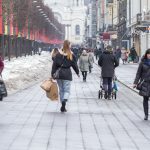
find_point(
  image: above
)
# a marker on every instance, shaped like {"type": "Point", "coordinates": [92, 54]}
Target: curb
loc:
{"type": "Point", "coordinates": [128, 87]}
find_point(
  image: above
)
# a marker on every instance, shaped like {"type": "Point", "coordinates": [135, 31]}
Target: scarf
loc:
{"type": "Point", "coordinates": [147, 62]}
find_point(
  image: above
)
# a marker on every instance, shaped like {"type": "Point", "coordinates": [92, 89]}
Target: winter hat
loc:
{"type": "Point", "coordinates": [109, 48]}
{"type": "Point", "coordinates": [84, 52]}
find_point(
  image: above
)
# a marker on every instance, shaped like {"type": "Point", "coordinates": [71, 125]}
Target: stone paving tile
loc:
{"type": "Point", "coordinates": [29, 121]}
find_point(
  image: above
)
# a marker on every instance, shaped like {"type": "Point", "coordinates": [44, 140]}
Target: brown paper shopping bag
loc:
{"type": "Point", "coordinates": [46, 85]}
{"type": "Point", "coordinates": [52, 94]}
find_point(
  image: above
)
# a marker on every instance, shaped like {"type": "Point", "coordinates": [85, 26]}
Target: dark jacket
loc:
{"type": "Point", "coordinates": [108, 62]}
{"type": "Point", "coordinates": [143, 73]}
{"type": "Point", "coordinates": [118, 53]}
{"type": "Point", "coordinates": [65, 73]}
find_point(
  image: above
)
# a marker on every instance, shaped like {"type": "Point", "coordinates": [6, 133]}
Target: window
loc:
{"type": "Point", "coordinates": [77, 30]}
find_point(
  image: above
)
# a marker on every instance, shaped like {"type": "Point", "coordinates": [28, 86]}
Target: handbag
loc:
{"type": "Point", "coordinates": [56, 75]}
{"type": "Point", "coordinates": [139, 85]}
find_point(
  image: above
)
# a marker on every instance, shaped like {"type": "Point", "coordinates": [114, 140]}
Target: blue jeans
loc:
{"type": "Point", "coordinates": [64, 89]}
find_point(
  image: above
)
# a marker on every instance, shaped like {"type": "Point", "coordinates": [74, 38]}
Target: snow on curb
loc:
{"type": "Point", "coordinates": [24, 71]}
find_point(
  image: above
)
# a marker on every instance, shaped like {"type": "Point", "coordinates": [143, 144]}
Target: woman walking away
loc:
{"type": "Point", "coordinates": [143, 79]}
{"type": "Point", "coordinates": [54, 53]}
{"type": "Point", "coordinates": [64, 61]}
{"type": "Point", "coordinates": [84, 64]}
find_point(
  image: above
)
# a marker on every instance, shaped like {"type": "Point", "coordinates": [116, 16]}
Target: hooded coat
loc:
{"type": "Point", "coordinates": [143, 73]}
{"type": "Point", "coordinates": [84, 62]}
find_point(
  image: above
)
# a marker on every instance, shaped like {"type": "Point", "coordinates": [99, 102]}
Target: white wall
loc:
{"type": "Point", "coordinates": [73, 15]}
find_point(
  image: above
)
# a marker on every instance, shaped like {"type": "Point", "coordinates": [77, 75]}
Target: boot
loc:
{"type": "Point", "coordinates": [145, 105]}
{"type": "Point", "coordinates": [146, 117]}
{"type": "Point", "coordinates": [63, 109]}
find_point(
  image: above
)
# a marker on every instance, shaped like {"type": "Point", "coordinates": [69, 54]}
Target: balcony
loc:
{"type": "Point", "coordinates": [111, 28]}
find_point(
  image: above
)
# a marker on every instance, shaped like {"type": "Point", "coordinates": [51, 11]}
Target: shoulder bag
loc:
{"type": "Point", "coordinates": [139, 85]}
{"type": "Point", "coordinates": [56, 75]}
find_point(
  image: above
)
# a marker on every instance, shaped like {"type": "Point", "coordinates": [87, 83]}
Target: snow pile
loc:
{"type": "Point", "coordinates": [25, 71]}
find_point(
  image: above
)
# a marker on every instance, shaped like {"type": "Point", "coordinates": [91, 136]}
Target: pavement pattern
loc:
{"type": "Point", "coordinates": [29, 121]}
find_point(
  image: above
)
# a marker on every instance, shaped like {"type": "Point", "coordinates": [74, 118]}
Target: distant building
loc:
{"type": "Point", "coordinates": [91, 24]}
{"type": "Point", "coordinates": [138, 16]}
{"type": "Point", "coordinates": [72, 14]}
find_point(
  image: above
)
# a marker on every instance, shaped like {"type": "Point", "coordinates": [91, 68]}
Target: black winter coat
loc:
{"type": "Point", "coordinates": [143, 73]}
{"type": "Point", "coordinates": [108, 62]}
{"type": "Point", "coordinates": [65, 73]}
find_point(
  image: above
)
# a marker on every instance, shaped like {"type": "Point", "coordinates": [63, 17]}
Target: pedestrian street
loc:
{"type": "Point", "coordinates": [30, 121]}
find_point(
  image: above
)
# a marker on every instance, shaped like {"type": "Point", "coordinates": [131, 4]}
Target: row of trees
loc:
{"type": "Point", "coordinates": [26, 25]}
{"type": "Point", "coordinates": [24, 18]}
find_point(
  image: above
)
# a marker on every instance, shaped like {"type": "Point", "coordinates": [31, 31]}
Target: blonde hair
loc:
{"type": "Point", "coordinates": [66, 49]}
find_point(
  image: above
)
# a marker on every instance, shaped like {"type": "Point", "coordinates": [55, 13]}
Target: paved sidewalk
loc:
{"type": "Point", "coordinates": [29, 121]}
{"type": "Point", "coordinates": [126, 74]}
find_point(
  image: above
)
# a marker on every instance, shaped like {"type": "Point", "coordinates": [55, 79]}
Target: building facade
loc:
{"type": "Point", "coordinates": [91, 24]}
{"type": "Point", "coordinates": [107, 19]}
{"type": "Point", "coordinates": [123, 38]}
{"type": "Point", "coordinates": [72, 14]}
{"type": "Point", "coordinates": [138, 16]}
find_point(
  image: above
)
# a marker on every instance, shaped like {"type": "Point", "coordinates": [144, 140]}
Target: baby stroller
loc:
{"type": "Point", "coordinates": [103, 94]}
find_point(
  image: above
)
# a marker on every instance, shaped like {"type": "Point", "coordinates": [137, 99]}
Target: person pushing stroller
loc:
{"type": "Point", "coordinates": [108, 62]}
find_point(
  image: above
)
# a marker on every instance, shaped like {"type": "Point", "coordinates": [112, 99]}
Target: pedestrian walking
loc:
{"type": "Point", "coordinates": [142, 81]}
{"type": "Point", "coordinates": [91, 60]}
{"type": "Point", "coordinates": [133, 54]}
{"type": "Point", "coordinates": [124, 55]}
{"type": "Point", "coordinates": [55, 51]}
{"type": "Point", "coordinates": [118, 53]}
{"type": "Point", "coordinates": [64, 60]}
{"type": "Point", "coordinates": [108, 62]}
{"type": "Point", "coordinates": [84, 64]}
{"type": "Point", "coordinates": [96, 52]}
{"type": "Point", "coordinates": [75, 51]}
{"type": "Point", "coordinates": [39, 50]}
